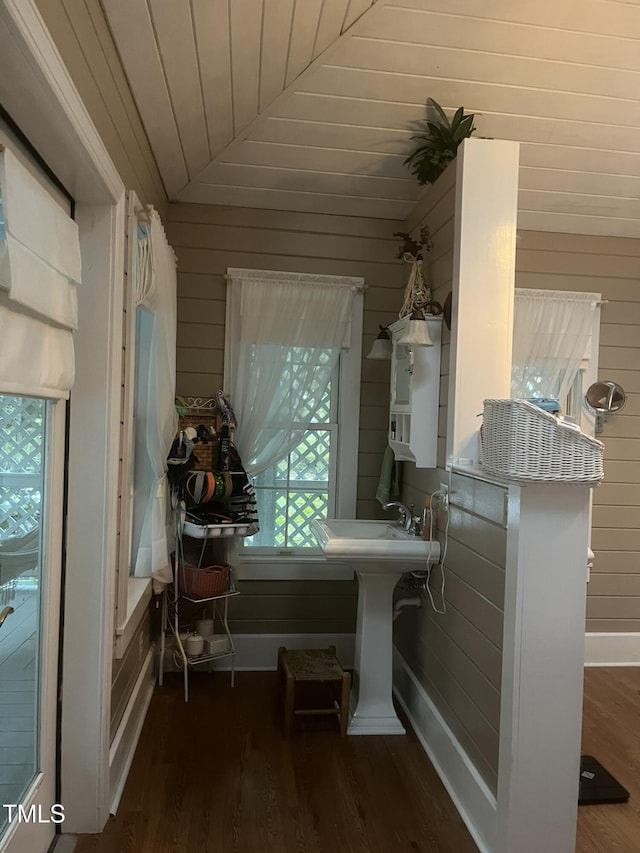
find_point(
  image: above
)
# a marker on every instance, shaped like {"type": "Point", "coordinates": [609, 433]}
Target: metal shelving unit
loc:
{"type": "Point", "coordinates": [217, 606]}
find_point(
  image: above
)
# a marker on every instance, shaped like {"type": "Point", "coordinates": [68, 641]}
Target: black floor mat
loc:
{"type": "Point", "coordinates": [597, 785]}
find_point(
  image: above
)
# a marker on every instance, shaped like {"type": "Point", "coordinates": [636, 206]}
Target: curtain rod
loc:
{"type": "Point", "coordinates": [348, 283]}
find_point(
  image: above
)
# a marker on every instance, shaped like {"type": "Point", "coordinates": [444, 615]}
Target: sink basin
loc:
{"type": "Point", "coordinates": [379, 553]}
{"type": "Point", "coordinates": [373, 542]}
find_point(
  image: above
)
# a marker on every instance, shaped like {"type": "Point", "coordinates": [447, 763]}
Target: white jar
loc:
{"type": "Point", "coordinates": [194, 645]}
{"type": "Point", "coordinates": [204, 627]}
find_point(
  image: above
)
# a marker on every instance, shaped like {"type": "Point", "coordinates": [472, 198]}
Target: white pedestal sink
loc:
{"type": "Point", "coordinates": [379, 553]}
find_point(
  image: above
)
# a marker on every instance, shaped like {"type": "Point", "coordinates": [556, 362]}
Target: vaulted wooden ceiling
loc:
{"type": "Point", "coordinates": [310, 105]}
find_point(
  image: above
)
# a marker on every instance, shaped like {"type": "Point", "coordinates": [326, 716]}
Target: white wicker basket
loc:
{"type": "Point", "coordinates": [522, 442]}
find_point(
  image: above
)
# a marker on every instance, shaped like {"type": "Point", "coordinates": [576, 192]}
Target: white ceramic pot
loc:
{"type": "Point", "coordinates": [204, 627]}
{"type": "Point", "coordinates": [194, 644]}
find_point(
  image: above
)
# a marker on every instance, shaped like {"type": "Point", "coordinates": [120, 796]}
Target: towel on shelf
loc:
{"type": "Point", "coordinates": [390, 482]}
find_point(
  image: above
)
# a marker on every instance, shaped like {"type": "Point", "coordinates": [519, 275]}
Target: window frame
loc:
{"type": "Point", "coordinates": [269, 564]}
{"type": "Point", "coordinates": [132, 594]}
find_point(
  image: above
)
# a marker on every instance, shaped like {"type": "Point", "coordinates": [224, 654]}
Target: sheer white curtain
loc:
{"type": "Point", "coordinates": [551, 337]}
{"type": "Point", "coordinates": [156, 388]}
{"type": "Point", "coordinates": [284, 334]}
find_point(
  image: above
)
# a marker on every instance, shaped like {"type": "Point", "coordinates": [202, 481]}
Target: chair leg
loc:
{"type": "Point", "coordinates": [344, 703]}
{"type": "Point", "coordinates": [289, 704]}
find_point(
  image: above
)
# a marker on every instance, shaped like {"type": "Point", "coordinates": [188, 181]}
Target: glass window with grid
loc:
{"type": "Point", "coordinates": [299, 487]}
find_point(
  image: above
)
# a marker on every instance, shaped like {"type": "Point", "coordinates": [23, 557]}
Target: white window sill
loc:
{"type": "Point", "coordinates": [280, 568]}
{"type": "Point", "coordinates": [138, 598]}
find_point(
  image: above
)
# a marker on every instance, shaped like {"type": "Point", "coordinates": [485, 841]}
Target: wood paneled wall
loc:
{"type": "Point", "coordinates": [610, 266]}
{"type": "Point", "coordinates": [82, 36]}
{"type": "Point", "coordinates": [126, 671]}
{"type": "Point", "coordinates": [207, 239]}
{"type": "Point", "coordinates": [457, 656]}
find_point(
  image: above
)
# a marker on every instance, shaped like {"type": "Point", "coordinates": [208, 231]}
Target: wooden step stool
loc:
{"type": "Point", "coordinates": [316, 672]}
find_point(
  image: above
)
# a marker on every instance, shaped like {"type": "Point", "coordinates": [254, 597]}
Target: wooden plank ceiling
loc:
{"type": "Point", "coordinates": [309, 105]}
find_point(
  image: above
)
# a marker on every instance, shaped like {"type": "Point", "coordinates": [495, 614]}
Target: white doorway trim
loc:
{"type": "Point", "coordinates": [37, 92]}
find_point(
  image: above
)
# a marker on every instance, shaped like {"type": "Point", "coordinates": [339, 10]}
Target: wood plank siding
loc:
{"type": "Point", "coordinates": [610, 266]}
{"type": "Point", "coordinates": [207, 240]}
{"type": "Point", "coordinates": [126, 671]}
{"type": "Point", "coordinates": [457, 656]}
{"type": "Point", "coordinates": [80, 31]}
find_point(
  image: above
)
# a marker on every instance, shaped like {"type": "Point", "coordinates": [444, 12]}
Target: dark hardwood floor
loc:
{"type": "Point", "coordinates": [216, 774]}
{"type": "Point", "coordinates": [611, 733]}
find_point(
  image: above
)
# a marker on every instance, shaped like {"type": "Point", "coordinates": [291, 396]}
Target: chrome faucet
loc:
{"type": "Point", "coordinates": [406, 514]}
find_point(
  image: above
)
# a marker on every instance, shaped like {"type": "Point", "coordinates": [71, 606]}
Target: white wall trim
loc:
{"type": "Point", "coordinates": [259, 652]}
{"type": "Point", "coordinates": [37, 91]}
{"type": "Point", "coordinates": [612, 649]}
{"type": "Point", "coordinates": [470, 793]}
{"type": "Point", "coordinates": [127, 736]}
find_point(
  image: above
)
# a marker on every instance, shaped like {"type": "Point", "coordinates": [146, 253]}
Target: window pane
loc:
{"type": "Point", "coordinates": [292, 492]}
{"type": "Point", "coordinates": [323, 414]}
{"type": "Point", "coordinates": [303, 507]}
{"type": "Point", "coordinates": [22, 451]}
{"type": "Point", "coordinates": [310, 459]}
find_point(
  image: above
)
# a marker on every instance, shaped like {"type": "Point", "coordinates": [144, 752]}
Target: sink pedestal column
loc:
{"type": "Point", "coordinates": [374, 713]}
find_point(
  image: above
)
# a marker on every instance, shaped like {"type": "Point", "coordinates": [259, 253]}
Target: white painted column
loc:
{"type": "Point", "coordinates": [94, 432]}
{"type": "Point", "coordinates": [483, 287]}
{"type": "Point", "coordinates": [542, 674]}
{"type": "Point", "coordinates": [373, 711]}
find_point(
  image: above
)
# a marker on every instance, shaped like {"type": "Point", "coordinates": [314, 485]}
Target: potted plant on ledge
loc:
{"type": "Point", "coordinates": [440, 142]}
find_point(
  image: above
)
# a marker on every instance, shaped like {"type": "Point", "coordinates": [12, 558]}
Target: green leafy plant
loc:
{"type": "Point", "coordinates": [440, 142]}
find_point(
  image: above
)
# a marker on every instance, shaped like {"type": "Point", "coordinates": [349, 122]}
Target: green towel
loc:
{"type": "Point", "coordinates": [390, 482]}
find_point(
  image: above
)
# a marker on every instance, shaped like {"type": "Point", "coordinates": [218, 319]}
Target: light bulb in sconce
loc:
{"type": "Point", "coordinates": [417, 331]}
{"type": "Point", "coordinates": [381, 349]}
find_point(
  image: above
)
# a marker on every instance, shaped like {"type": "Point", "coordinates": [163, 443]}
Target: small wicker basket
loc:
{"type": "Point", "coordinates": [522, 442]}
{"type": "Point", "coordinates": [203, 582]}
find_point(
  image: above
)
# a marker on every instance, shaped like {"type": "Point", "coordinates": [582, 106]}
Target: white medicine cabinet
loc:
{"type": "Point", "coordinates": [415, 395]}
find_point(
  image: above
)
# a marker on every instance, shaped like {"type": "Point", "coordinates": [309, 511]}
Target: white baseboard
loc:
{"type": "Point", "coordinates": [256, 652]}
{"type": "Point", "coordinates": [613, 649]}
{"type": "Point", "coordinates": [469, 792]}
{"type": "Point", "coordinates": [126, 738]}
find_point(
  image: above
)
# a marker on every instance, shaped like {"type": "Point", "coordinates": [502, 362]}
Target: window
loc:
{"type": "Point", "coordinates": [555, 347]}
{"type": "Point", "coordinates": [302, 485]}
{"type": "Point", "coordinates": [21, 471]}
{"type": "Point", "coordinates": [148, 414]}
{"type": "Point", "coordinates": [313, 470]}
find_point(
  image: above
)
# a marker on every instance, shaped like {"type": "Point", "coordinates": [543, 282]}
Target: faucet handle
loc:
{"type": "Point", "coordinates": [415, 526]}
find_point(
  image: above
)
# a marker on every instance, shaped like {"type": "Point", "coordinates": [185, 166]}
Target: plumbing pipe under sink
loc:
{"type": "Point", "coordinates": [415, 601]}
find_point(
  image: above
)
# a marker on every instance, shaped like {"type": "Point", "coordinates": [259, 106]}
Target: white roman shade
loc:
{"type": "Point", "coordinates": [39, 271]}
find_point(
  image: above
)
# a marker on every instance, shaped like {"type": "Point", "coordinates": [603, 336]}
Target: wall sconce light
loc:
{"type": "Point", "coordinates": [417, 333]}
{"type": "Point", "coordinates": [381, 348]}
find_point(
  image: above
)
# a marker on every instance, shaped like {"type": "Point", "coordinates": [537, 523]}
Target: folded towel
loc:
{"type": "Point", "coordinates": [390, 482]}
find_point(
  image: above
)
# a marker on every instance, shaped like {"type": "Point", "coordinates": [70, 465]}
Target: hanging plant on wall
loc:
{"type": "Point", "coordinates": [440, 142]}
